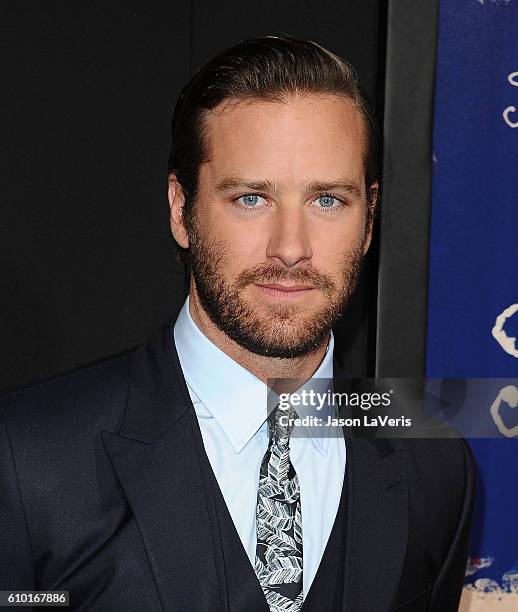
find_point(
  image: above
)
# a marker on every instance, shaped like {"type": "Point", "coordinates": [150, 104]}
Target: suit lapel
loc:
{"type": "Point", "coordinates": [377, 518]}
{"type": "Point", "coordinates": [156, 457]}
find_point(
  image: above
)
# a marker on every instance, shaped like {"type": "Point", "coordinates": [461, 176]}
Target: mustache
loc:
{"type": "Point", "coordinates": [271, 273]}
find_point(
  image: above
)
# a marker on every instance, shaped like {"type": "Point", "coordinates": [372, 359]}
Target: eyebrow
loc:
{"type": "Point", "coordinates": [230, 183]}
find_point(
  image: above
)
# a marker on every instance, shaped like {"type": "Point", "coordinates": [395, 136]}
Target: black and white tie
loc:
{"type": "Point", "coordinates": [278, 560]}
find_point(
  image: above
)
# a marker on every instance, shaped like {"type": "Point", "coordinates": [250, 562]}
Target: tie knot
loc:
{"type": "Point", "coordinates": [281, 423]}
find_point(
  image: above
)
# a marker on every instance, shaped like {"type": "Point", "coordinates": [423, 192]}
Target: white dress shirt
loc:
{"type": "Point", "coordinates": [230, 404]}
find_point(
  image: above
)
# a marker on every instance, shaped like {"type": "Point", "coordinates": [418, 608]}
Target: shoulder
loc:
{"type": "Point", "coordinates": [92, 395]}
{"type": "Point", "coordinates": [441, 477]}
{"type": "Point", "coordinates": [440, 458]}
{"type": "Point", "coordinates": [57, 476]}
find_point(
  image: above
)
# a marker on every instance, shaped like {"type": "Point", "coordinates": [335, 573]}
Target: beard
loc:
{"type": "Point", "coordinates": [271, 330]}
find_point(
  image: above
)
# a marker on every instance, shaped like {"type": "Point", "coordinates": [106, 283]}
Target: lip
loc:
{"type": "Point", "coordinates": [288, 291]}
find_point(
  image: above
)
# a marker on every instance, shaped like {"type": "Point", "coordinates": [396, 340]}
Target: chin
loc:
{"type": "Point", "coordinates": [273, 336]}
{"type": "Point", "coordinates": [290, 348]}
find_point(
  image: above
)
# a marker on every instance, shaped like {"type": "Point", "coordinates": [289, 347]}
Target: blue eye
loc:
{"type": "Point", "coordinates": [327, 201]}
{"type": "Point", "coordinates": [250, 202]}
{"type": "Point", "coordinates": [250, 199]}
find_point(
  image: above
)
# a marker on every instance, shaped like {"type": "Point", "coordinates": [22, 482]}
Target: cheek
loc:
{"type": "Point", "coordinates": [244, 247]}
{"type": "Point", "coordinates": [331, 243]}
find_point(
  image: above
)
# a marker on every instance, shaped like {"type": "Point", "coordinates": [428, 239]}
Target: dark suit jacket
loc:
{"type": "Point", "coordinates": [104, 492]}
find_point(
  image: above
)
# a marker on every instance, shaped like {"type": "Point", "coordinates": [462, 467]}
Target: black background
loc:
{"type": "Point", "coordinates": [87, 265]}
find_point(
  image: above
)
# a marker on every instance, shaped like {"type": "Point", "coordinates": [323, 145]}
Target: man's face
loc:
{"type": "Point", "coordinates": [279, 227]}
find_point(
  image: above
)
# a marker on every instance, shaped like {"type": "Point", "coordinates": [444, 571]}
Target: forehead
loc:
{"type": "Point", "coordinates": [312, 136]}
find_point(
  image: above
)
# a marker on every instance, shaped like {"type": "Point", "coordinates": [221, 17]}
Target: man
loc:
{"type": "Point", "coordinates": [154, 479]}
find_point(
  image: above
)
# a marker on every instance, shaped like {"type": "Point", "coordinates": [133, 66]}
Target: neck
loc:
{"type": "Point", "coordinates": [262, 367]}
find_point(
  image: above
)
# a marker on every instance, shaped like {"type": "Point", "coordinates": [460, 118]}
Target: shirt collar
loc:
{"type": "Point", "coordinates": [232, 394]}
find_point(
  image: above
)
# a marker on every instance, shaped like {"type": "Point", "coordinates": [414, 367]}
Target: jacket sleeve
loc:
{"type": "Point", "coordinates": [447, 589]}
{"type": "Point", "coordinates": [17, 568]}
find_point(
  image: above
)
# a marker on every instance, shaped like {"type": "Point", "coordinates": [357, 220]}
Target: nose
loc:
{"type": "Point", "coordinates": [289, 242]}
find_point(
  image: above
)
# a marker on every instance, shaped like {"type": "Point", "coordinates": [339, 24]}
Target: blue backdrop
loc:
{"type": "Point", "coordinates": [473, 276]}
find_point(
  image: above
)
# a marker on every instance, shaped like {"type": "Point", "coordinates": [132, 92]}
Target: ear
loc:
{"type": "Point", "coordinates": [372, 200]}
{"type": "Point", "coordinates": [176, 204]}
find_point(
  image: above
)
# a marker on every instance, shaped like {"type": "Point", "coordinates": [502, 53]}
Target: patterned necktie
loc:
{"type": "Point", "coordinates": [278, 559]}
